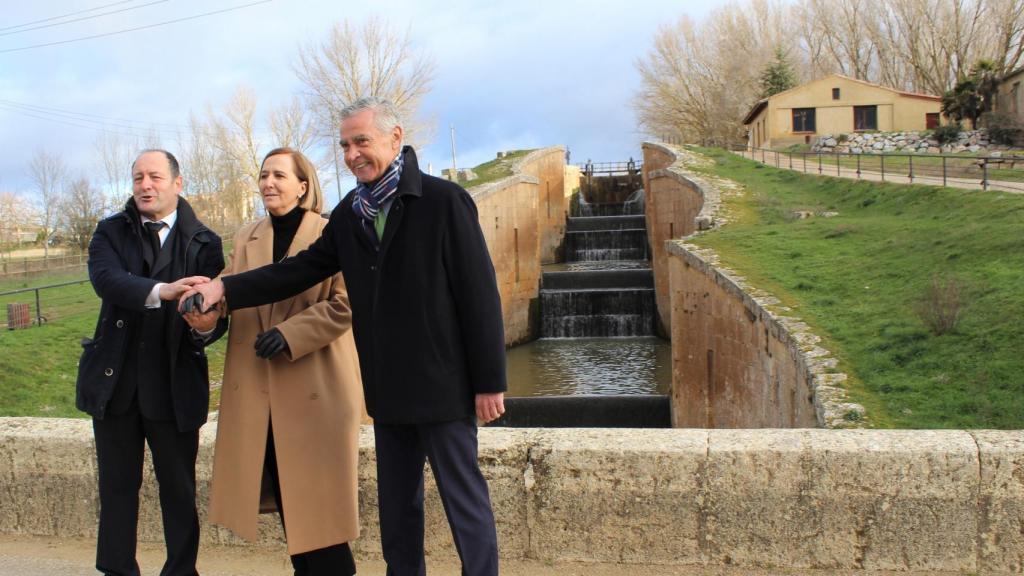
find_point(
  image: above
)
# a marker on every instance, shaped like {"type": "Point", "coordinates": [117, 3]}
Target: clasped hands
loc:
{"type": "Point", "coordinates": [199, 304]}
{"type": "Point", "coordinates": [196, 301]}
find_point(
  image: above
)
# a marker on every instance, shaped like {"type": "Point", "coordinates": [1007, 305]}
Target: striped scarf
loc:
{"type": "Point", "coordinates": [370, 197]}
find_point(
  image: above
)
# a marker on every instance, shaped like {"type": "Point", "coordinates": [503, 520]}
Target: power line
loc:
{"type": "Point", "coordinates": [82, 18]}
{"type": "Point", "coordinates": [137, 28]}
{"type": "Point", "coordinates": [86, 115]}
{"type": "Point", "coordinates": [67, 15]}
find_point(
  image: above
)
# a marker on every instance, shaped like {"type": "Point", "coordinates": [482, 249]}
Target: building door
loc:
{"type": "Point", "coordinates": [931, 120]}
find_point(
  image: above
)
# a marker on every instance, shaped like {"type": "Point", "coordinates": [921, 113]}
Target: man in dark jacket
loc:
{"type": "Point", "coordinates": [143, 376]}
{"type": "Point", "coordinates": [427, 321]}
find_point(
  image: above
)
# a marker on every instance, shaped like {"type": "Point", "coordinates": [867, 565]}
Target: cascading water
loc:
{"type": "Point", "coordinates": [614, 294]}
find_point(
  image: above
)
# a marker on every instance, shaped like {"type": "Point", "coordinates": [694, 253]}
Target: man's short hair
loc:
{"type": "Point", "coordinates": [385, 113]}
{"type": "Point", "coordinates": [172, 162]}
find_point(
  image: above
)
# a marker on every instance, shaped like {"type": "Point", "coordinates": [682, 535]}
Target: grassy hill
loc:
{"type": "Point", "coordinates": [861, 277]}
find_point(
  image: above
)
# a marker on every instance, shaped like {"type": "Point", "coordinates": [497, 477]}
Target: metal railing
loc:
{"type": "Point", "coordinates": [629, 167]}
{"type": "Point", "coordinates": [27, 307]}
{"type": "Point", "coordinates": [1004, 173]}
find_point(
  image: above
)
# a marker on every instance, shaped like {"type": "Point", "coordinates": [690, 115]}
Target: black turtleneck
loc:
{"type": "Point", "coordinates": [285, 228]}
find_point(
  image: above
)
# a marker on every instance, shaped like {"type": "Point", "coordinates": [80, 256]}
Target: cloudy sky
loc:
{"type": "Point", "coordinates": [509, 75]}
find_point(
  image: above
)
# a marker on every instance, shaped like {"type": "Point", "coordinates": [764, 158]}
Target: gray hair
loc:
{"type": "Point", "coordinates": [385, 113]}
{"type": "Point", "coordinates": [172, 162]}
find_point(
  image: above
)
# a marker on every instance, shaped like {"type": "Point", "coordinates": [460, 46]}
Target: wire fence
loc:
{"type": "Point", "coordinates": [28, 307]}
{"type": "Point", "coordinates": [1005, 173]}
{"type": "Point", "coordinates": [27, 267]}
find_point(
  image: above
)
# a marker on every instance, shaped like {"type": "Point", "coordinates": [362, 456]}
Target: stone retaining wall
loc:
{"type": "Point", "coordinates": [972, 141]}
{"type": "Point", "coordinates": [738, 360]}
{"type": "Point", "coordinates": [829, 499]}
{"type": "Point", "coordinates": [522, 218]}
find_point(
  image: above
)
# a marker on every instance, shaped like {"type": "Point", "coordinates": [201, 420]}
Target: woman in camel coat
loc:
{"type": "Point", "coordinates": [291, 401]}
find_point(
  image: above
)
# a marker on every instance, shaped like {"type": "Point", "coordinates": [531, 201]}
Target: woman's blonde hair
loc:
{"type": "Point", "coordinates": [313, 199]}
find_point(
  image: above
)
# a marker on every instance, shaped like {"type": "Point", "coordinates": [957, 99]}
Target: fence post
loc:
{"type": "Point", "coordinates": [858, 166]}
{"type": "Point", "coordinates": [910, 172]}
{"type": "Point", "coordinates": [984, 174]}
{"type": "Point", "coordinates": [790, 156]}
{"type": "Point", "coordinates": [805, 161]}
{"type": "Point", "coordinates": [39, 313]}
{"type": "Point", "coordinates": [881, 158]}
{"type": "Point", "coordinates": [943, 170]}
{"type": "Point", "coordinates": [776, 158]}
{"type": "Point", "coordinates": [819, 162]}
{"type": "Point", "coordinates": [838, 173]}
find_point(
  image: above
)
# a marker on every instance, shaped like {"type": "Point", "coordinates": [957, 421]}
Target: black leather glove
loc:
{"type": "Point", "coordinates": [193, 302]}
{"type": "Point", "coordinates": [270, 344]}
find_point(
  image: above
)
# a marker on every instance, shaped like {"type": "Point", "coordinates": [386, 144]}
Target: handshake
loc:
{"type": "Point", "coordinates": [199, 300]}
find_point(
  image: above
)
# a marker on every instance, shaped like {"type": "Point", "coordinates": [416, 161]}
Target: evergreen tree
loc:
{"type": "Point", "coordinates": [778, 76]}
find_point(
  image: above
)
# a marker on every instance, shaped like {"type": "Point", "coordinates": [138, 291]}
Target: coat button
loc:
{"type": "Point", "coordinates": [119, 323]}
{"type": "Point", "coordinates": [374, 267]}
{"type": "Point", "coordinates": [108, 372]}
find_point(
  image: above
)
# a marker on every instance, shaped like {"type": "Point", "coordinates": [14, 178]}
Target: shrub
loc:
{"type": "Point", "coordinates": [941, 305]}
{"type": "Point", "coordinates": [948, 133]}
{"type": "Point", "coordinates": [1002, 128]}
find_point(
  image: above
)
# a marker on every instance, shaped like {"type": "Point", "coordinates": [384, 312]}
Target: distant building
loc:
{"type": "Point", "coordinates": [1010, 95]}
{"type": "Point", "coordinates": [463, 175]}
{"type": "Point", "coordinates": [837, 104]}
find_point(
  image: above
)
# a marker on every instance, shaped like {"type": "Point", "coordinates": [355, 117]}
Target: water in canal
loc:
{"type": "Point", "coordinates": [573, 366]}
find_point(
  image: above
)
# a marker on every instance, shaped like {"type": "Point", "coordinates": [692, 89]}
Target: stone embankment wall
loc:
{"type": "Point", "coordinates": [523, 219]}
{"type": "Point", "coordinates": [828, 499]}
{"type": "Point", "coordinates": [973, 141]}
{"type": "Point", "coordinates": [735, 363]}
{"type": "Point", "coordinates": [672, 205]}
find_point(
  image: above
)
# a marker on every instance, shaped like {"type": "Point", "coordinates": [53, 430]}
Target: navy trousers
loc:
{"type": "Point", "coordinates": [120, 442]}
{"type": "Point", "coordinates": [451, 448]}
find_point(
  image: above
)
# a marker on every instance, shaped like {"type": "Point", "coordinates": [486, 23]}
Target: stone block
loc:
{"type": "Point", "coordinates": [48, 473]}
{"type": "Point", "coordinates": [858, 499]}
{"type": "Point", "coordinates": [632, 496]}
{"type": "Point", "coordinates": [1001, 502]}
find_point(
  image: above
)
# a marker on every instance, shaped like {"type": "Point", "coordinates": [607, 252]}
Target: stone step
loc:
{"type": "Point", "coordinates": [587, 411]}
{"type": "Point", "coordinates": [567, 280]}
{"type": "Point", "coordinates": [583, 223]}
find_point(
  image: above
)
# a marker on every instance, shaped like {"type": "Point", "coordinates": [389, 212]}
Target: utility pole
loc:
{"type": "Point", "coordinates": [337, 170]}
{"type": "Point", "coordinates": [455, 170]}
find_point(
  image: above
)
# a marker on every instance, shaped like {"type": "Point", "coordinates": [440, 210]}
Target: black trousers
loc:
{"type": "Point", "coordinates": [120, 442]}
{"type": "Point", "coordinates": [333, 560]}
{"type": "Point", "coordinates": [451, 448]}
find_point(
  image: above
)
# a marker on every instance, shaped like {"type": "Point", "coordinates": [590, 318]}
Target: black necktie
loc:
{"type": "Point", "coordinates": [154, 229]}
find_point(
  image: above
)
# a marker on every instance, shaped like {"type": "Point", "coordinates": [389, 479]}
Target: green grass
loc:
{"type": "Point", "coordinates": [38, 365]}
{"type": "Point", "coordinates": [496, 169]}
{"type": "Point", "coordinates": [856, 278]}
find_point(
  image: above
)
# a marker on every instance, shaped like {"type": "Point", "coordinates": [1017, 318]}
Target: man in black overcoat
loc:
{"type": "Point", "coordinates": [428, 328]}
{"type": "Point", "coordinates": [143, 375]}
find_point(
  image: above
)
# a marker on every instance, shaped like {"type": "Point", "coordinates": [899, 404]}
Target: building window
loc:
{"type": "Point", "coordinates": [931, 120]}
{"type": "Point", "coordinates": [835, 93]}
{"type": "Point", "coordinates": [803, 119]}
{"type": "Point", "coordinates": [865, 117]}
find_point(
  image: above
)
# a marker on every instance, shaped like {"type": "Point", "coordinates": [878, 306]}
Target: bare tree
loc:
{"type": "Point", "coordinates": [16, 216]}
{"type": "Point", "coordinates": [81, 208]}
{"type": "Point", "coordinates": [115, 153]}
{"type": "Point", "coordinates": [698, 81]}
{"type": "Point", "coordinates": [292, 126]}
{"type": "Point", "coordinates": [369, 60]}
{"type": "Point", "coordinates": [234, 136]}
{"type": "Point", "coordinates": [48, 172]}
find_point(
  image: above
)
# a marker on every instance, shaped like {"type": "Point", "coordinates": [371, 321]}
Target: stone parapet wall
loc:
{"type": "Point", "coordinates": [828, 499]}
{"type": "Point", "coordinates": [522, 218]}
